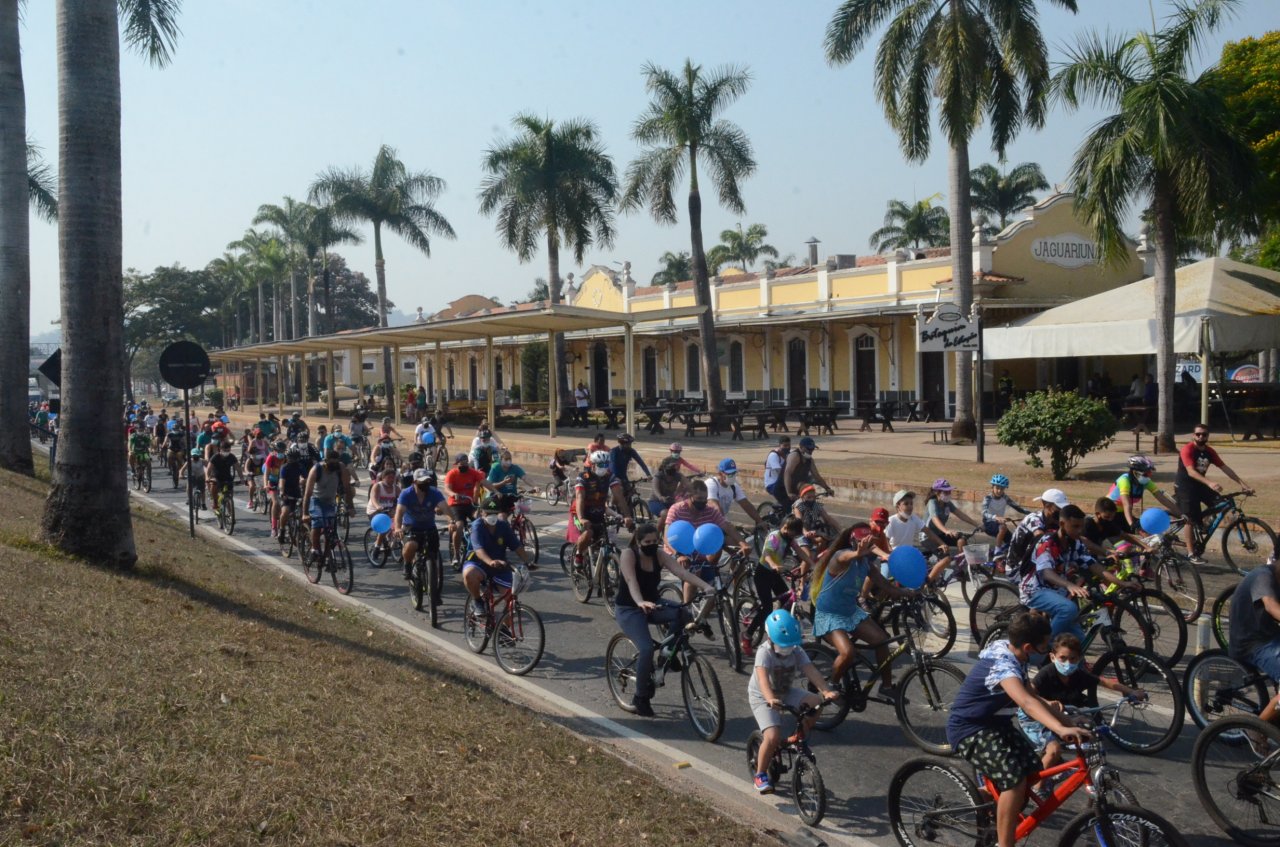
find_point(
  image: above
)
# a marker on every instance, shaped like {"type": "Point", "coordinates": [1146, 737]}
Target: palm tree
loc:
{"type": "Point", "coordinates": [1170, 143]}
{"type": "Point", "coordinates": [387, 195]}
{"type": "Point", "coordinates": [15, 250]}
{"type": "Point", "coordinates": [87, 510]}
{"type": "Point", "coordinates": [552, 181]}
{"type": "Point", "coordinates": [291, 220]}
{"type": "Point", "coordinates": [744, 247]}
{"type": "Point", "coordinates": [977, 58]}
{"type": "Point", "coordinates": [42, 186]}
{"type": "Point", "coordinates": [263, 255]}
{"type": "Point", "coordinates": [682, 130]}
{"type": "Point", "coordinates": [235, 279]}
{"type": "Point", "coordinates": [1001, 195]}
{"type": "Point", "coordinates": [676, 267]}
{"type": "Point", "coordinates": [321, 233]}
{"type": "Point", "coordinates": [906, 226]}
{"type": "Point", "coordinates": [775, 265]}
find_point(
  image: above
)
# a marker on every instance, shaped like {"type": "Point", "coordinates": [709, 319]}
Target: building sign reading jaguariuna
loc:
{"type": "Point", "coordinates": [1066, 251]}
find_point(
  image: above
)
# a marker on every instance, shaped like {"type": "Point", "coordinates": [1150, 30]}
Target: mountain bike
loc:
{"type": "Point", "coordinates": [379, 553]}
{"type": "Point", "coordinates": [931, 801]}
{"type": "Point", "coordinates": [556, 490]}
{"type": "Point", "coordinates": [727, 598]}
{"type": "Point", "coordinates": [225, 507]}
{"type": "Point", "coordinates": [1247, 542]}
{"type": "Point", "coordinates": [1220, 616]}
{"type": "Point", "coordinates": [928, 615]}
{"type": "Point", "coordinates": [458, 555]}
{"type": "Point", "coordinates": [426, 581]}
{"type": "Point", "coordinates": [195, 496]}
{"type": "Point", "coordinates": [333, 558]}
{"type": "Point", "coordinates": [1216, 687]}
{"type": "Point", "coordinates": [515, 629]}
{"type": "Point", "coordinates": [1233, 766]}
{"type": "Point", "coordinates": [639, 505]}
{"type": "Point", "coordinates": [597, 573]}
{"type": "Point", "coordinates": [174, 461]}
{"type": "Point", "coordinates": [291, 534]}
{"type": "Point", "coordinates": [748, 608]}
{"type": "Point", "coordinates": [794, 756]}
{"type": "Point", "coordinates": [142, 472]}
{"type": "Point", "coordinates": [1172, 573]}
{"type": "Point", "coordinates": [699, 686]}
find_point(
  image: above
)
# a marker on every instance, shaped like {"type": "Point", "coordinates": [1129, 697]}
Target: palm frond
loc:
{"type": "Point", "coordinates": [42, 185]}
{"type": "Point", "coordinates": [151, 27]}
{"type": "Point", "coordinates": [852, 25]}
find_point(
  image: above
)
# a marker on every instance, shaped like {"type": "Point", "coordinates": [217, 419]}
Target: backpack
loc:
{"type": "Point", "coordinates": [1022, 546]}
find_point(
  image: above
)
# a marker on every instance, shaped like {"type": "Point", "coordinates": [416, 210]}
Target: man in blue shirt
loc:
{"type": "Point", "coordinates": [416, 511]}
{"type": "Point", "coordinates": [492, 540]}
{"type": "Point", "coordinates": [621, 457]}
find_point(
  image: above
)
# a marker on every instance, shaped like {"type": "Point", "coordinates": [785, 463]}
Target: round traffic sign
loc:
{"type": "Point", "coordinates": [184, 364]}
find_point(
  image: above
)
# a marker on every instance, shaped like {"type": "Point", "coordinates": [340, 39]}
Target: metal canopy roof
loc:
{"type": "Point", "coordinates": [505, 324]}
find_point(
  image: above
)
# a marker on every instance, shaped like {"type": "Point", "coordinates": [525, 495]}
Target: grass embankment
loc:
{"type": "Point", "coordinates": [203, 700]}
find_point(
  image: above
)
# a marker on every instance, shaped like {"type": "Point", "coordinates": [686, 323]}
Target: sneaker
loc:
{"type": "Point", "coordinates": [763, 784]}
{"type": "Point", "coordinates": [642, 706]}
{"type": "Point", "coordinates": [408, 572]}
{"type": "Point", "coordinates": [248, 505]}
{"type": "Point", "coordinates": [889, 691]}
{"type": "Point", "coordinates": [1196, 559]}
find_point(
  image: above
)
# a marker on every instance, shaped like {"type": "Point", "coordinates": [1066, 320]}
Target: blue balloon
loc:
{"type": "Point", "coordinates": [225, 419]}
{"type": "Point", "coordinates": [680, 537]}
{"type": "Point", "coordinates": [381, 522]}
{"type": "Point", "coordinates": [908, 567]}
{"type": "Point", "coordinates": [1154, 521]}
{"type": "Point", "coordinates": [708, 539]}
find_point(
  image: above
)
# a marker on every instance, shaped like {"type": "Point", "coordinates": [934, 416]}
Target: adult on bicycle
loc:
{"type": "Point", "coordinates": [801, 470]}
{"type": "Point", "coordinates": [593, 491]}
{"type": "Point", "coordinates": [359, 430]}
{"type": "Point", "coordinates": [698, 510]}
{"type": "Point", "coordinates": [485, 448]}
{"type": "Point", "coordinates": [461, 484]}
{"type": "Point", "coordinates": [669, 486]}
{"type": "Point", "coordinates": [139, 446]}
{"type": "Point", "coordinates": [724, 490]}
{"type": "Point", "coordinates": [293, 478]}
{"type": "Point", "coordinates": [980, 724]}
{"type": "Point", "coordinates": [1129, 487]}
{"type": "Point", "coordinates": [222, 473]}
{"type": "Point", "coordinates": [255, 455]}
{"type": "Point", "coordinates": [310, 455]}
{"type": "Point", "coordinates": [620, 459]}
{"type": "Point", "coordinates": [838, 617]}
{"type": "Point", "coordinates": [492, 540]}
{"type": "Point", "coordinates": [296, 427]}
{"type": "Point", "coordinates": [769, 575]}
{"type": "Point", "coordinates": [327, 481]}
{"type": "Point", "coordinates": [505, 476]}
{"type": "Point", "coordinates": [1194, 490]}
{"type": "Point", "coordinates": [416, 510]}
{"type": "Point", "coordinates": [336, 440]}
{"type": "Point", "coordinates": [1254, 634]}
{"type": "Point", "coordinates": [271, 473]}
{"type": "Point", "coordinates": [638, 604]}
{"type": "Point", "coordinates": [774, 464]}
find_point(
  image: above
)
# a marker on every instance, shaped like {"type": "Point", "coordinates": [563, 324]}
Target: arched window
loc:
{"type": "Point", "coordinates": [693, 368]}
{"type": "Point", "coordinates": [471, 379]}
{"type": "Point", "coordinates": [737, 368]}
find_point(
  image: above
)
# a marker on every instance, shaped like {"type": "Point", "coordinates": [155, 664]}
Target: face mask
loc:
{"type": "Point", "coordinates": [649, 550]}
{"type": "Point", "coordinates": [675, 455]}
{"type": "Point", "coordinates": [731, 478]}
{"type": "Point", "coordinates": [279, 454]}
{"type": "Point", "coordinates": [506, 463]}
{"type": "Point", "coordinates": [491, 520]}
{"type": "Point", "coordinates": [1065, 668]}
{"type": "Point", "coordinates": [602, 472]}
{"type": "Point", "coordinates": [1143, 479]}
{"type": "Point", "coordinates": [462, 466]}
{"type": "Point", "coordinates": [944, 497]}
{"type": "Point", "coordinates": [421, 486]}
{"type": "Point", "coordinates": [783, 651]}
{"type": "Point", "coordinates": [698, 504]}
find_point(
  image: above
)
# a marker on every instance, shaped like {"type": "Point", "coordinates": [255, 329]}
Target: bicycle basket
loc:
{"type": "Point", "coordinates": [524, 506]}
{"type": "Point", "coordinates": [977, 554]}
{"type": "Point", "coordinates": [519, 578]}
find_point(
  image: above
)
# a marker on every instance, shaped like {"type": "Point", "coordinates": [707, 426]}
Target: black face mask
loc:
{"type": "Point", "coordinates": [649, 550]}
{"type": "Point", "coordinates": [333, 466]}
{"type": "Point", "coordinates": [698, 504]}
{"type": "Point", "coordinates": [422, 487]}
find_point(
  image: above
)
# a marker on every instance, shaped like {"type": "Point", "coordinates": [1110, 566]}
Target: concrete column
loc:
{"type": "Point", "coordinates": [551, 382]}
{"type": "Point", "coordinates": [766, 371]}
{"type": "Point", "coordinates": [824, 290]}
{"type": "Point", "coordinates": [282, 362]}
{"type": "Point", "coordinates": [438, 364]}
{"type": "Point", "coordinates": [392, 382]}
{"type": "Point", "coordinates": [332, 381]}
{"type": "Point", "coordinates": [490, 400]}
{"type": "Point", "coordinates": [895, 278]}
{"type": "Point", "coordinates": [305, 361]}
{"type": "Point", "coordinates": [628, 358]}
{"type": "Point", "coordinates": [257, 375]}
{"type": "Point", "coordinates": [357, 362]}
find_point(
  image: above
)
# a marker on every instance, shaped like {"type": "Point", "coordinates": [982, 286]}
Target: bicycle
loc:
{"type": "Point", "coordinates": [598, 571]}
{"type": "Point", "coordinates": [195, 497]}
{"type": "Point", "coordinates": [929, 800]}
{"type": "Point", "coordinates": [426, 582]}
{"type": "Point", "coordinates": [225, 507]}
{"type": "Point", "coordinates": [1254, 541]}
{"type": "Point", "coordinates": [174, 462]}
{"type": "Point", "coordinates": [792, 600]}
{"type": "Point", "coordinates": [794, 756]}
{"type": "Point", "coordinates": [924, 693]}
{"type": "Point", "coordinates": [142, 472]}
{"type": "Point", "coordinates": [928, 615]}
{"type": "Point", "coordinates": [556, 490]}
{"type": "Point", "coordinates": [292, 536]}
{"type": "Point", "coordinates": [699, 686]}
{"type": "Point", "coordinates": [639, 505]}
{"type": "Point", "coordinates": [517, 633]}
{"type": "Point", "coordinates": [458, 555]}
{"type": "Point", "coordinates": [1231, 765]}
{"type": "Point", "coordinates": [1216, 687]}
{"type": "Point", "coordinates": [1173, 573]}
{"type": "Point", "coordinates": [378, 554]}
{"type": "Point", "coordinates": [523, 524]}
{"type": "Point", "coordinates": [334, 558]}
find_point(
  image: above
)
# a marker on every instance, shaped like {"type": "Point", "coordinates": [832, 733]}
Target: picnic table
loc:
{"type": "Point", "coordinates": [701, 420]}
{"type": "Point", "coordinates": [612, 414]}
{"type": "Point", "coordinates": [764, 420]}
{"type": "Point", "coordinates": [877, 412]}
{"type": "Point", "coordinates": [822, 418]}
{"type": "Point", "coordinates": [1136, 417]}
{"type": "Point", "coordinates": [654, 414]}
{"type": "Point", "coordinates": [919, 410]}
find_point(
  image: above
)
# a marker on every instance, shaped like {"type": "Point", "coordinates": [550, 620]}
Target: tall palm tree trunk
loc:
{"type": "Point", "coordinates": [312, 318]}
{"type": "Point", "coordinates": [262, 312]}
{"type": "Point", "coordinates": [328, 297]}
{"type": "Point", "coordinates": [380, 270]}
{"type": "Point", "coordinates": [555, 288]}
{"type": "Point", "coordinates": [293, 303]}
{"type": "Point", "coordinates": [15, 251]}
{"type": "Point", "coordinates": [702, 297]}
{"type": "Point", "coordinates": [1165, 297]}
{"type": "Point", "coordinates": [87, 511]}
{"type": "Point", "coordinates": [962, 278]}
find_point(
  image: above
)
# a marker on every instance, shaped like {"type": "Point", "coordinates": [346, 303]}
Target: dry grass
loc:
{"type": "Point", "coordinates": [201, 700]}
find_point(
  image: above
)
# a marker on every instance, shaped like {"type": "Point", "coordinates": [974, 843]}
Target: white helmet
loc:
{"type": "Point", "coordinates": [599, 458]}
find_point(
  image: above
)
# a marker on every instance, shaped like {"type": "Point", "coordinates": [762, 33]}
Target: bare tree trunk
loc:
{"type": "Point", "coordinates": [555, 287]}
{"type": "Point", "coordinates": [293, 303]}
{"type": "Point", "coordinates": [380, 268]}
{"type": "Point", "coordinates": [1165, 296]}
{"type": "Point", "coordinates": [312, 318]}
{"type": "Point", "coordinates": [962, 279]}
{"type": "Point", "coordinates": [15, 251]}
{"type": "Point", "coordinates": [328, 298]}
{"type": "Point", "coordinates": [87, 511]}
{"type": "Point", "coordinates": [702, 295]}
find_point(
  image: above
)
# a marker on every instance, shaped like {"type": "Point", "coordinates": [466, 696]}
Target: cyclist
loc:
{"type": "Point", "coordinates": [597, 445]}
{"type": "Point", "coordinates": [1193, 488]}
{"type": "Point", "coordinates": [697, 510]}
{"type": "Point", "coordinates": [222, 473]}
{"type": "Point", "coordinates": [484, 450]}
{"type": "Point", "coordinates": [194, 468]}
{"type": "Point", "coordinates": [327, 481]}
{"type": "Point", "coordinates": [384, 456]}
{"type": "Point", "coordinates": [559, 467]}
{"type": "Point", "coordinates": [271, 473]}
{"type": "Point", "coordinates": [359, 430]}
{"type": "Point", "coordinates": [638, 604]}
{"type": "Point", "coordinates": [492, 540]}
{"type": "Point", "coordinates": [416, 509]}
{"type": "Point", "coordinates": [406, 473]}
{"type": "Point", "coordinates": [800, 470]}
{"type": "Point", "coordinates": [255, 455]}
{"type": "Point", "coordinates": [268, 425]}
{"type": "Point", "coordinates": [139, 447]}
{"type": "Point", "coordinates": [774, 464]}
{"type": "Point", "coordinates": [296, 427]}
{"type": "Point", "coordinates": [506, 475]}
{"type": "Point", "coordinates": [310, 455]}
{"type": "Point", "coordinates": [1105, 527]}
{"type": "Point", "coordinates": [675, 451]}
{"type": "Point", "coordinates": [620, 459]}
{"type": "Point", "coordinates": [723, 490]}
{"type": "Point", "coordinates": [980, 726]}
{"type": "Point", "coordinates": [175, 444]}
{"type": "Point", "coordinates": [994, 506]}
{"type": "Point", "coordinates": [768, 575]}
{"type": "Point", "coordinates": [1254, 632]}
{"type": "Point", "coordinates": [292, 478]}
{"type": "Point", "coordinates": [668, 486]}
{"type": "Point", "coordinates": [777, 662]}
{"type": "Point", "coordinates": [460, 483]}
{"type": "Point", "coordinates": [386, 430]}
{"type": "Point", "coordinates": [593, 490]}
{"type": "Point", "coordinates": [1129, 487]}
{"type": "Point", "coordinates": [819, 528]}
{"type": "Point", "coordinates": [383, 494]}
{"type": "Point", "coordinates": [940, 507]}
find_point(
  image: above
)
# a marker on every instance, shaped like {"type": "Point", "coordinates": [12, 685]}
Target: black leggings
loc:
{"type": "Point", "coordinates": [770, 585]}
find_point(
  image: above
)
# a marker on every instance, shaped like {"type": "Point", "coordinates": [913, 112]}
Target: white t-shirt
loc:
{"type": "Point", "coordinates": [151, 420]}
{"type": "Point", "coordinates": [725, 495]}
{"type": "Point", "coordinates": [773, 464]}
{"type": "Point", "coordinates": [583, 397]}
{"type": "Point", "coordinates": [900, 532]}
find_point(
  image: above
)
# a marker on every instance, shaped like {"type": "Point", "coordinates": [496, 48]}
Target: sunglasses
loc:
{"type": "Point", "coordinates": [1200, 434]}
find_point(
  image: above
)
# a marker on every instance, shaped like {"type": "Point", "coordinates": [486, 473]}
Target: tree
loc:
{"type": "Point", "coordinates": [554, 182]}
{"type": "Point", "coordinates": [907, 226]}
{"type": "Point", "coordinates": [976, 59]}
{"type": "Point", "coordinates": [745, 246]}
{"type": "Point", "coordinates": [322, 232]}
{"type": "Point", "coordinates": [292, 220]}
{"type": "Point", "coordinates": [387, 195]}
{"type": "Point", "coordinates": [15, 250]}
{"type": "Point", "coordinates": [540, 293]}
{"type": "Point", "coordinates": [354, 302]}
{"type": "Point", "coordinates": [676, 267]}
{"type": "Point", "coordinates": [1248, 79]}
{"type": "Point", "coordinates": [267, 262]}
{"type": "Point", "coordinates": [774, 265]}
{"type": "Point", "coordinates": [1001, 195]}
{"type": "Point", "coordinates": [682, 131]}
{"type": "Point", "coordinates": [234, 279]}
{"type": "Point", "coordinates": [87, 510]}
{"type": "Point", "coordinates": [1170, 144]}
{"type": "Point", "coordinates": [42, 186]}
{"type": "Point", "coordinates": [169, 304]}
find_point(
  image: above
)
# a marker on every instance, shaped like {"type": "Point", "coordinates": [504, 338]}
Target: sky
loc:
{"type": "Point", "coordinates": [263, 95]}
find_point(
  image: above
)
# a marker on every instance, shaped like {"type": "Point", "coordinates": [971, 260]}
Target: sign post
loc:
{"type": "Point", "coordinates": [184, 364]}
{"type": "Point", "coordinates": [949, 330]}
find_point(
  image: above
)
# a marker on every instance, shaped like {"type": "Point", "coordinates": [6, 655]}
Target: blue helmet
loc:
{"type": "Point", "coordinates": [727, 466]}
{"type": "Point", "coordinates": [783, 629]}
{"type": "Point", "coordinates": [1000, 480]}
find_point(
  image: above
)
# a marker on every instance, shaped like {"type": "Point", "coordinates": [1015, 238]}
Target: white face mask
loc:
{"type": "Point", "coordinates": [602, 471]}
{"type": "Point", "coordinates": [491, 520]}
{"type": "Point", "coordinates": [944, 496]}
{"type": "Point", "coordinates": [1143, 478]}
{"type": "Point", "coordinates": [783, 651]}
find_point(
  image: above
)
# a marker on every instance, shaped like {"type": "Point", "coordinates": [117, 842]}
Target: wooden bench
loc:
{"type": "Point", "coordinates": [941, 436]}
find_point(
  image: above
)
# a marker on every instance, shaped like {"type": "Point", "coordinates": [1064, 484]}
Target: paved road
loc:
{"type": "Point", "coordinates": [857, 759]}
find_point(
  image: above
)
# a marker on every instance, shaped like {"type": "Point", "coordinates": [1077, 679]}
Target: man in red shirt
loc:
{"type": "Point", "coordinates": [1193, 488]}
{"type": "Point", "coordinates": [698, 511]}
{"type": "Point", "coordinates": [460, 484]}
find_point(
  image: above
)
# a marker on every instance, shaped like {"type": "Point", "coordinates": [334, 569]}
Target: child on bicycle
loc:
{"type": "Point", "coordinates": [559, 468]}
{"type": "Point", "coordinates": [383, 495]}
{"type": "Point", "coordinates": [777, 662]}
{"type": "Point", "coordinates": [1064, 682]}
{"type": "Point", "coordinates": [768, 576]}
{"type": "Point", "coordinates": [994, 506]}
{"type": "Point", "coordinates": [980, 726]}
{"type": "Point", "coordinates": [819, 528]}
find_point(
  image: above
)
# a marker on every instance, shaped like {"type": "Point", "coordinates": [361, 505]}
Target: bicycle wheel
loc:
{"type": "Point", "coordinates": [640, 510]}
{"type": "Point", "coordinates": [529, 538]}
{"type": "Point", "coordinates": [519, 640]}
{"type": "Point", "coordinates": [375, 553]}
{"type": "Point", "coordinates": [974, 577]}
{"type": "Point", "coordinates": [703, 700]}
{"type": "Point", "coordinates": [1216, 686]}
{"type": "Point", "coordinates": [551, 492]}
{"type": "Point", "coordinates": [418, 591]}
{"type": "Point", "coordinates": [582, 575]}
{"type": "Point", "coordinates": [924, 701]}
{"type": "Point", "coordinates": [1121, 826]}
{"type": "Point", "coordinates": [612, 579]}
{"type": "Point", "coordinates": [746, 614]}
{"type": "Point", "coordinates": [620, 659]}
{"type": "Point", "coordinates": [994, 602]}
{"type": "Point", "coordinates": [728, 624]}
{"type": "Point", "coordinates": [475, 626]}
{"type": "Point", "coordinates": [343, 574]}
{"type": "Point", "coordinates": [566, 558]}
{"type": "Point", "coordinates": [807, 790]}
{"type": "Point", "coordinates": [753, 756]}
{"type": "Point", "coordinates": [146, 478]}
{"type": "Point", "coordinates": [313, 567]}
{"type": "Point", "coordinates": [1247, 544]}
{"type": "Point", "coordinates": [934, 803]}
{"type": "Point", "coordinates": [1160, 621]}
{"type": "Point", "coordinates": [860, 671]}
{"type": "Point", "coordinates": [931, 622]}
{"type": "Point", "coordinates": [1149, 727]}
{"type": "Point", "coordinates": [229, 511]}
{"type": "Point", "coordinates": [1221, 616]}
{"type": "Point", "coordinates": [1181, 580]}
{"type": "Point", "coordinates": [1232, 766]}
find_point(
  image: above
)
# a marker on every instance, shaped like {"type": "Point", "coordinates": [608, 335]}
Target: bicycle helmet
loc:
{"type": "Point", "coordinates": [600, 458]}
{"type": "Point", "coordinates": [783, 629]}
{"type": "Point", "coordinates": [1141, 464]}
{"type": "Point", "coordinates": [280, 445]}
{"type": "Point", "coordinates": [727, 466]}
{"type": "Point", "coordinates": [675, 447]}
{"type": "Point", "coordinates": [625, 438]}
{"type": "Point", "coordinates": [941, 484]}
{"type": "Point", "coordinates": [294, 454]}
{"type": "Point", "coordinates": [196, 452]}
{"type": "Point", "coordinates": [1000, 480]}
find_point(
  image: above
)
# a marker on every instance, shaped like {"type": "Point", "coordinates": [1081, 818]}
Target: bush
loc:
{"type": "Point", "coordinates": [215, 396]}
{"type": "Point", "coordinates": [1063, 423]}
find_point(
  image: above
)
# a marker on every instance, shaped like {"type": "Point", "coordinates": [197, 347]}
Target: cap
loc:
{"type": "Point", "coordinates": [460, 458]}
{"type": "Point", "coordinates": [860, 532]}
{"type": "Point", "coordinates": [808, 489]}
{"type": "Point", "coordinates": [880, 515]}
{"type": "Point", "coordinates": [1056, 496]}
{"type": "Point", "coordinates": [808, 443]}
{"type": "Point", "coordinates": [625, 438]}
{"type": "Point", "coordinates": [902, 493]}
{"type": "Point", "coordinates": [727, 466]}
{"type": "Point", "coordinates": [421, 475]}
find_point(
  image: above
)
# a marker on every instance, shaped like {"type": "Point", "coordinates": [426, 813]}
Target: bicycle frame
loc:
{"type": "Point", "coordinates": [1078, 769]}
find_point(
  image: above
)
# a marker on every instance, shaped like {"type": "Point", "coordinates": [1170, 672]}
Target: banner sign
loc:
{"type": "Point", "coordinates": [1066, 251]}
{"type": "Point", "coordinates": [947, 329]}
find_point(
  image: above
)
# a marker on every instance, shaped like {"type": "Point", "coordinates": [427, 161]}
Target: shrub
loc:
{"type": "Point", "coordinates": [215, 396]}
{"type": "Point", "coordinates": [1063, 423]}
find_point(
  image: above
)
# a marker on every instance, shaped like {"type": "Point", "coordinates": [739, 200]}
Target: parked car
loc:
{"type": "Point", "coordinates": [341, 393]}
